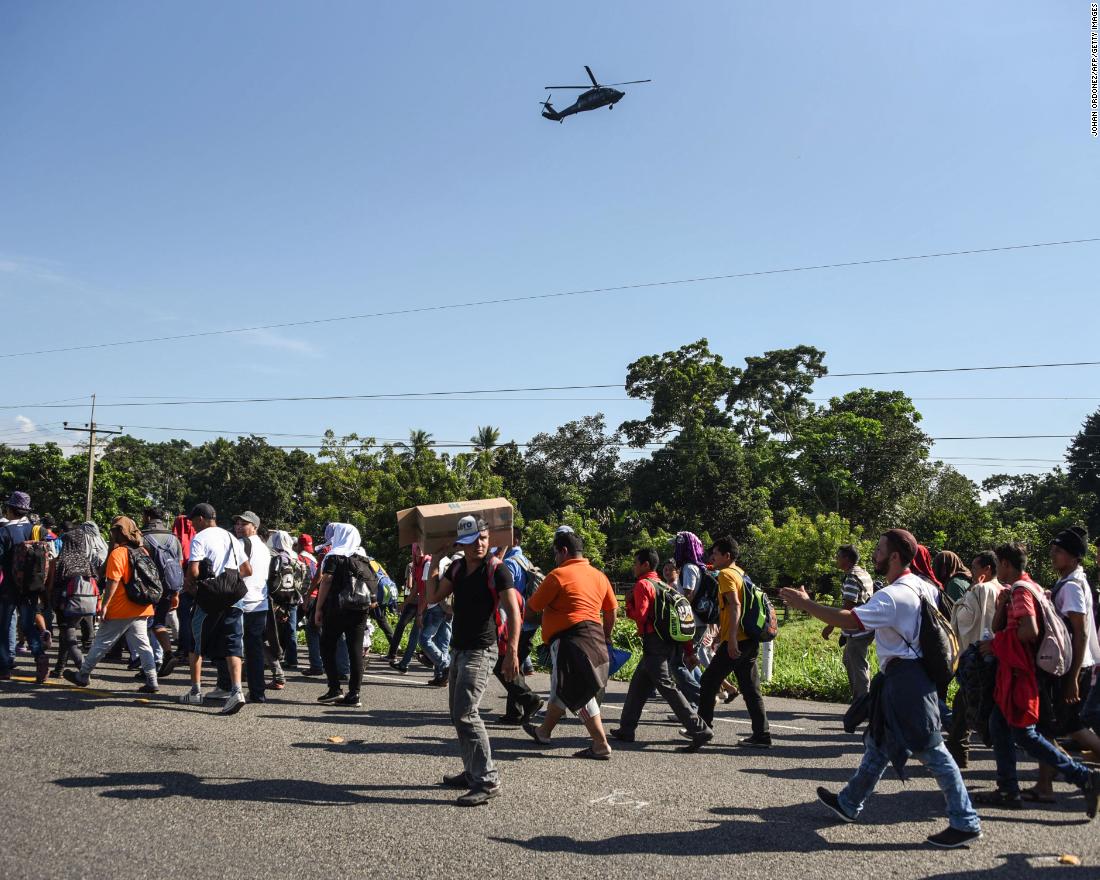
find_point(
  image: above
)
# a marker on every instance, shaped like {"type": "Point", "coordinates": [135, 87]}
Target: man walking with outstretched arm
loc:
{"type": "Point", "coordinates": [905, 718]}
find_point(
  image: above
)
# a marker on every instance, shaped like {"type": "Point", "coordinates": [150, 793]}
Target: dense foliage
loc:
{"type": "Point", "coordinates": [731, 450]}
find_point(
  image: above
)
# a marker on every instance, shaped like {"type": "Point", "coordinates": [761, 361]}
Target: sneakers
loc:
{"type": "Point", "coordinates": [41, 668]}
{"type": "Point", "coordinates": [73, 677]}
{"type": "Point", "coordinates": [458, 780]}
{"type": "Point", "coordinates": [756, 742]}
{"type": "Point", "coordinates": [330, 696]}
{"type": "Point", "coordinates": [219, 694]}
{"type": "Point", "coordinates": [313, 670]}
{"type": "Point", "coordinates": [148, 689]}
{"type": "Point", "coordinates": [621, 735]}
{"type": "Point", "coordinates": [191, 699]}
{"type": "Point", "coordinates": [168, 666]}
{"type": "Point", "coordinates": [233, 705]}
{"type": "Point", "coordinates": [1000, 799]}
{"type": "Point", "coordinates": [348, 700]}
{"type": "Point", "coordinates": [698, 740]}
{"type": "Point", "coordinates": [531, 711]}
{"type": "Point", "coordinates": [833, 803]}
{"type": "Point", "coordinates": [397, 667]}
{"type": "Point", "coordinates": [952, 838]}
{"type": "Point", "coordinates": [438, 681]}
{"type": "Point", "coordinates": [507, 720]}
{"type": "Point", "coordinates": [277, 685]}
{"type": "Point", "coordinates": [475, 797]}
{"type": "Point", "coordinates": [424, 660]}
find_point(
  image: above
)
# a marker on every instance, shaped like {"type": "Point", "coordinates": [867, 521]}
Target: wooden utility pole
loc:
{"type": "Point", "coordinates": [90, 429]}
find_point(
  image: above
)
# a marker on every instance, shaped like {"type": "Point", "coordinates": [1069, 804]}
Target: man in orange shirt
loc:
{"type": "Point", "coordinates": [121, 616]}
{"type": "Point", "coordinates": [578, 607]}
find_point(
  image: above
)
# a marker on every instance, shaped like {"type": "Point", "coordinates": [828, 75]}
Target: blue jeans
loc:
{"type": "Point", "coordinates": [8, 610]}
{"type": "Point", "coordinates": [435, 639]}
{"type": "Point", "coordinates": [288, 635]}
{"type": "Point", "coordinates": [1006, 739]}
{"type": "Point", "coordinates": [410, 648]}
{"type": "Point", "coordinates": [25, 608]}
{"type": "Point", "coordinates": [960, 812]}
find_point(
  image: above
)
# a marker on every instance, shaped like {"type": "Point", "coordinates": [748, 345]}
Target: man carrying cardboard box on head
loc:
{"type": "Point", "coordinates": [481, 587]}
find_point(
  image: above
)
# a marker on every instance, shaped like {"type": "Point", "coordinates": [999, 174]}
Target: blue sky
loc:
{"type": "Point", "coordinates": [168, 168]}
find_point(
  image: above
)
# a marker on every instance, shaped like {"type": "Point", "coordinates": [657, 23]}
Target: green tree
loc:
{"type": "Point", "coordinates": [1083, 458]}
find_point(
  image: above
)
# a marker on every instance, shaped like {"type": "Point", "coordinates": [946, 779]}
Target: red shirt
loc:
{"type": "Point", "coordinates": [640, 602]}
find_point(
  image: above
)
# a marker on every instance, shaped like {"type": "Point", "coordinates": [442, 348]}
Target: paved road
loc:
{"type": "Point", "coordinates": [101, 784]}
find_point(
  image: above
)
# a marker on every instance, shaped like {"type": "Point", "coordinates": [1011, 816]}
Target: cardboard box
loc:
{"type": "Point", "coordinates": [433, 526]}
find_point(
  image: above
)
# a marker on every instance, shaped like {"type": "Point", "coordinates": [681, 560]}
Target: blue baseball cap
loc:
{"type": "Point", "coordinates": [469, 528]}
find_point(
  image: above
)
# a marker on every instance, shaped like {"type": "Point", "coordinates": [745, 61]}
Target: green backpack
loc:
{"type": "Point", "coordinates": [672, 615]}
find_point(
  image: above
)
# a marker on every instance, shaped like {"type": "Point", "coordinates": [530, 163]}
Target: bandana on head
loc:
{"type": "Point", "coordinates": [688, 548]}
{"type": "Point", "coordinates": [342, 539]}
{"type": "Point", "coordinates": [126, 528]}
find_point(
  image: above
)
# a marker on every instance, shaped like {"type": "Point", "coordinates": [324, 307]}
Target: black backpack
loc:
{"type": "Point", "coordinates": [705, 600]}
{"type": "Point", "coordinates": [145, 586]}
{"type": "Point", "coordinates": [359, 587]}
{"type": "Point", "coordinates": [938, 645]}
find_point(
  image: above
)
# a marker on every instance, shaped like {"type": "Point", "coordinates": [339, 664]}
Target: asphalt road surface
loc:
{"type": "Point", "coordinates": [99, 783]}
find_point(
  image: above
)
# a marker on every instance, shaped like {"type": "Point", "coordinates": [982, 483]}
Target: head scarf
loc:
{"type": "Point", "coordinates": [281, 542]}
{"type": "Point", "coordinates": [97, 546]}
{"type": "Point", "coordinates": [75, 559]}
{"type": "Point", "coordinates": [127, 529]}
{"type": "Point", "coordinates": [688, 548]}
{"type": "Point", "coordinates": [922, 565]}
{"type": "Point", "coordinates": [948, 565]}
{"type": "Point", "coordinates": [184, 530]}
{"type": "Point", "coordinates": [342, 539]}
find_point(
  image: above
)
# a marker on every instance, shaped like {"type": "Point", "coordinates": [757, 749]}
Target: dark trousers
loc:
{"type": "Point", "coordinates": [408, 615]}
{"type": "Point", "coordinates": [72, 638]}
{"type": "Point", "coordinates": [351, 625]}
{"type": "Point", "coordinates": [654, 670]}
{"type": "Point", "coordinates": [958, 735]}
{"type": "Point", "coordinates": [183, 615]}
{"type": "Point", "coordinates": [521, 699]}
{"type": "Point", "coordinates": [378, 613]}
{"type": "Point", "coordinates": [748, 681]}
{"type": "Point", "coordinates": [255, 631]}
{"type": "Point", "coordinates": [287, 620]}
{"type": "Point", "coordinates": [517, 699]}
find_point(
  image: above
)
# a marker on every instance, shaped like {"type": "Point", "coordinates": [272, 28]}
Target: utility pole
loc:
{"type": "Point", "coordinates": [90, 429]}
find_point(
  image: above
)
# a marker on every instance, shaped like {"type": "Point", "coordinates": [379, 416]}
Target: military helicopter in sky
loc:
{"type": "Point", "coordinates": [594, 97]}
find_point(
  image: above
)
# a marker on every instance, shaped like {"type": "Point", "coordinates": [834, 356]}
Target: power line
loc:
{"type": "Point", "coordinates": [964, 369]}
{"type": "Point", "coordinates": [546, 296]}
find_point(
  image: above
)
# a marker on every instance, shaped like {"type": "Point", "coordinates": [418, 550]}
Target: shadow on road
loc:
{"type": "Point", "coordinates": [141, 786]}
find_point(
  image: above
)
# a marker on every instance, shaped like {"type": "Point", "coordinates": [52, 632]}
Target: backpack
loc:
{"type": "Point", "coordinates": [217, 593]}
{"type": "Point", "coordinates": [387, 589]}
{"type": "Point", "coordinates": [285, 580]}
{"type": "Point", "coordinates": [939, 647]}
{"type": "Point", "coordinates": [673, 618]}
{"type": "Point", "coordinates": [492, 562]}
{"type": "Point", "coordinates": [79, 595]}
{"type": "Point", "coordinates": [360, 584]}
{"type": "Point", "coordinates": [171, 572]}
{"type": "Point", "coordinates": [757, 614]}
{"type": "Point", "coordinates": [1054, 647]}
{"type": "Point", "coordinates": [535, 575]}
{"type": "Point", "coordinates": [31, 566]}
{"type": "Point", "coordinates": [145, 586]}
{"type": "Point", "coordinates": [705, 601]}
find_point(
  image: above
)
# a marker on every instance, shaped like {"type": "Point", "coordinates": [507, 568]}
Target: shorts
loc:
{"type": "Point", "coordinates": [163, 609]}
{"type": "Point", "coordinates": [218, 635]}
{"type": "Point", "coordinates": [1067, 716]}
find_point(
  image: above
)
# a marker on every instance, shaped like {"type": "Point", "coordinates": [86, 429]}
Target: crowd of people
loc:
{"type": "Point", "coordinates": [194, 593]}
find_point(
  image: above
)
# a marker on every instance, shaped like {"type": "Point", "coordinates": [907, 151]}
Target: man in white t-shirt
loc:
{"type": "Point", "coordinates": [905, 718]}
{"type": "Point", "coordinates": [219, 636]}
{"type": "Point", "coordinates": [255, 604]}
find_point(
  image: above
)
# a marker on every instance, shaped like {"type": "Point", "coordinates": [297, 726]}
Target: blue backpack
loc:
{"type": "Point", "coordinates": [171, 572]}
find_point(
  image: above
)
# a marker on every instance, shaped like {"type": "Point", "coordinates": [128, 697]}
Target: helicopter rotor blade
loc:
{"type": "Point", "coordinates": [567, 87]}
{"type": "Point", "coordinates": [631, 82]}
{"type": "Point", "coordinates": [592, 76]}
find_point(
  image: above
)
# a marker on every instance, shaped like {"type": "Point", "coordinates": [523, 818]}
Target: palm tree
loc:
{"type": "Point", "coordinates": [485, 439]}
{"type": "Point", "coordinates": [419, 443]}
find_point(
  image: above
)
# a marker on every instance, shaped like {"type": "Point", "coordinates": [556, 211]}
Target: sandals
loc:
{"type": "Point", "coordinates": [591, 755]}
{"type": "Point", "coordinates": [533, 732]}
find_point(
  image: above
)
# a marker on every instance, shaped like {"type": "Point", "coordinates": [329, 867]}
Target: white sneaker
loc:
{"type": "Point", "coordinates": [219, 694]}
{"type": "Point", "coordinates": [233, 705]}
{"type": "Point", "coordinates": [191, 699]}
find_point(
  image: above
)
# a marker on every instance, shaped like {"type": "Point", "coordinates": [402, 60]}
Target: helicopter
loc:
{"type": "Point", "coordinates": [593, 98]}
